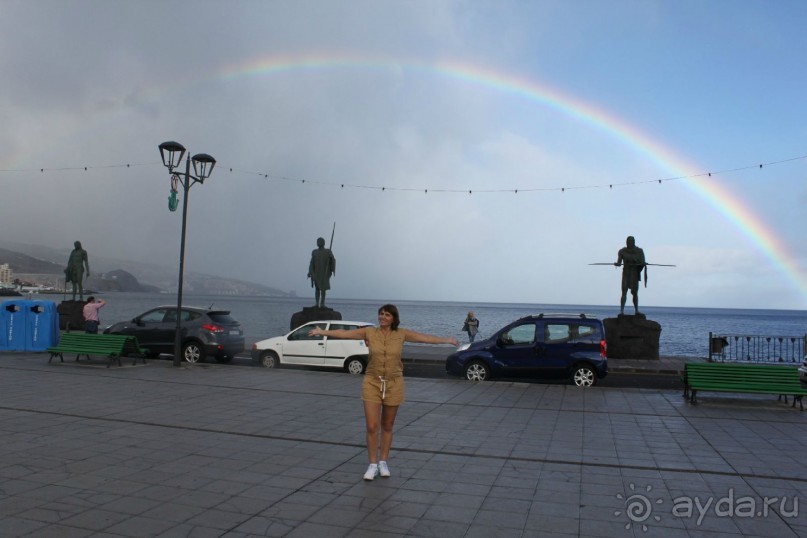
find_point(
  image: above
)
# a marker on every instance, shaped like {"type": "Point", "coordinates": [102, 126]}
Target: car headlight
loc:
{"type": "Point", "coordinates": [463, 347]}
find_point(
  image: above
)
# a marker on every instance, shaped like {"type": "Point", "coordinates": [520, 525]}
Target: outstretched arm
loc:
{"type": "Point", "coordinates": [420, 338]}
{"type": "Point", "coordinates": [352, 334]}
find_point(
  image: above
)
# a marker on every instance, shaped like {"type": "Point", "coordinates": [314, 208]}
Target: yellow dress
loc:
{"type": "Point", "coordinates": [383, 381]}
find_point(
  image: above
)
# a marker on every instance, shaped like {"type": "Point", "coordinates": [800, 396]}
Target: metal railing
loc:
{"type": "Point", "coordinates": [756, 349]}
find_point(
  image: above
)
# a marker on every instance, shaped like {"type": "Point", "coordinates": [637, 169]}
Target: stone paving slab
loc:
{"type": "Point", "coordinates": [214, 450]}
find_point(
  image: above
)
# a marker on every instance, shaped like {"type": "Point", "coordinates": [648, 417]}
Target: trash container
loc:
{"type": "Point", "coordinates": [14, 330]}
{"type": "Point", "coordinates": [3, 328]}
{"type": "Point", "coordinates": [42, 325]}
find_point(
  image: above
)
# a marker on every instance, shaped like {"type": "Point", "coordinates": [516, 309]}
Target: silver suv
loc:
{"type": "Point", "coordinates": [205, 332]}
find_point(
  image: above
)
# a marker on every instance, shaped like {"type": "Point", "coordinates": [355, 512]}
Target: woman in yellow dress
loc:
{"type": "Point", "coordinates": [382, 390]}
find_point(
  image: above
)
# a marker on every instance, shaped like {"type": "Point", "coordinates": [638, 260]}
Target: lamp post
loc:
{"type": "Point", "coordinates": [172, 153]}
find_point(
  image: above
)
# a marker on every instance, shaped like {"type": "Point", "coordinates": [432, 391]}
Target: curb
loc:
{"type": "Point", "coordinates": [611, 368]}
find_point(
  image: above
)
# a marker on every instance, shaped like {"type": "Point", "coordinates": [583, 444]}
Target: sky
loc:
{"type": "Point", "coordinates": [472, 151]}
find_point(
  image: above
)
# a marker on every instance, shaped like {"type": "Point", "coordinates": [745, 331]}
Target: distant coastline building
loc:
{"type": "Point", "coordinates": [5, 275]}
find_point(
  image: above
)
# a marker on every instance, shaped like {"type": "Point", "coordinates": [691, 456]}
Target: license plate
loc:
{"type": "Point", "coordinates": [235, 331]}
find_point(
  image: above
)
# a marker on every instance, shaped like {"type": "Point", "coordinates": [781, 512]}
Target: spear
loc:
{"type": "Point", "coordinates": [332, 232]}
{"type": "Point", "coordinates": [634, 264]}
{"type": "Point", "coordinates": [612, 263]}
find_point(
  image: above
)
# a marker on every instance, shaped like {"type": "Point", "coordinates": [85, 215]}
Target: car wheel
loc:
{"type": "Point", "coordinates": [193, 353]}
{"type": "Point", "coordinates": [476, 371]}
{"type": "Point", "coordinates": [224, 359]}
{"type": "Point", "coordinates": [583, 375]}
{"type": "Point", "coordinates": [269, 359]}
{"type": "Point", "coordinates": [355, 365]}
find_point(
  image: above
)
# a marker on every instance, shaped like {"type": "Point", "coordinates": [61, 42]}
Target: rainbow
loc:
{"type": "Point", "coordinates": [715, 194]}
{"type": "Point", "coordinates": [704, 186]}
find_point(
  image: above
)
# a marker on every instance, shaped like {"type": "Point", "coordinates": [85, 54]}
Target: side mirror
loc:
{"type": "Point", "coordinates": [500, 341]}
{"type": "Point", "coordinates": [138, 322]}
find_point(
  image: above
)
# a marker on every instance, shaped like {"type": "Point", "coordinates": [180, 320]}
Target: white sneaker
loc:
{"type": "Point", "coordinates": [383, 470]}
{"type": "Point", "coordinates": [372, 471]}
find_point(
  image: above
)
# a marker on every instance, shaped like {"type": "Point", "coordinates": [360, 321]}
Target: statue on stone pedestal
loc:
{"type": "Point", "coordinates": [74, 272]}
{"type": "Point", "coordinates": [320, 269]}
{"type": "Point", "coordinates": [632, 337]}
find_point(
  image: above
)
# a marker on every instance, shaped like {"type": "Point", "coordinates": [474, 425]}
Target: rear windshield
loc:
{"type": "Point", "coordinates": [222, 317]}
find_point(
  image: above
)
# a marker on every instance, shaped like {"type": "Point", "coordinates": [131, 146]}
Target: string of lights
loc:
{"type": "Point", "coordinates": [426, 190]}
{"type": "Point", "coordinates": [69, 168]}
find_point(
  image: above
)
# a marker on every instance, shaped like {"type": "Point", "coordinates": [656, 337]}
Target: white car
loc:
{"type": "Point", "coordinates": [299, 348]}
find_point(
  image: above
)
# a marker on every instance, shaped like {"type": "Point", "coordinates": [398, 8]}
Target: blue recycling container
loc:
{"type": "Point", "coordinates": [41, 324]}
{"type": "Point", "coordinates": [3, 328]}
{"type": "Point", "coordinates": [14, 330]}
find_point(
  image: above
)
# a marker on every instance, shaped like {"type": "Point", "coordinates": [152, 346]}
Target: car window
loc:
{"type": "Point", "coordinates": [343, 327]}
{"type": "Point", "coordinates": [171, 315]}
{"type": "Point", "coordinates": [155, 316]}
{"type": "Point", "coordinates": [586, 334]}
{"type": "Point", "coordinates": [555, 333]}
{"type": "Point", "coordinates": [520, 335]}
{"type": "Point", "coordinates": [302, 332]}
{"type": "Point", "coordinates": [573, 333]}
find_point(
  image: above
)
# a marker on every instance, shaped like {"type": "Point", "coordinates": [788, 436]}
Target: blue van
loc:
{"type": "Point", "coordinates": [545, 346]}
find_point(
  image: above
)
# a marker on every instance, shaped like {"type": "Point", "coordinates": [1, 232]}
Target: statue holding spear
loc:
{"type": "Point", "coordinates": [632, 260]}
{"type": "Point", "coordinates": [320, 269]}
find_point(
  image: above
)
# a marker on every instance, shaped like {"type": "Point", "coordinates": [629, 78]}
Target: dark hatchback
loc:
{"type": "Point", "coordinates": [205, 332]}
{"type": "Point", "coordinates": [544, 346]}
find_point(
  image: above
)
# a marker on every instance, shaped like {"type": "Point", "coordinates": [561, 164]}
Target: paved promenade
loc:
{"type": "Point", "coordinates": [209, 450]}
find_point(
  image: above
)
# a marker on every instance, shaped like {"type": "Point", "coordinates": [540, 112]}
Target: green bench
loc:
{"type": "Point", "coordinates": [113, 346]}
{"type": "Point", "coordinates": [747, 378]}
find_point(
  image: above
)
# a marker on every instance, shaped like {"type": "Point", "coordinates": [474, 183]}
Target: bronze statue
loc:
{"type": "Point", "coordinates": [74, 272]}
{"type": "Point", "coordinates": [322, 266]}
{"type": "Point", "coordinates": [631, 258]}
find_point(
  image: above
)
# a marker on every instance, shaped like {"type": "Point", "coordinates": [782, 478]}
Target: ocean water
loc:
{"type": "Point", "coordinates": [684, 331]}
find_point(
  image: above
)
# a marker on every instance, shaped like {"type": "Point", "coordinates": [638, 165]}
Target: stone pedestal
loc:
{"type": "Point", "coordinates": [71, 315]}
{"type": "Point", "coordinates": [312, 313]}
{"type": "Point", "coordinates": [632, 337]}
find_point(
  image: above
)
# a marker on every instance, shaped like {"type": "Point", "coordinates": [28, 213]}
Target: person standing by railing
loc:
{"type": "Point", "coordinates": [471, 326]}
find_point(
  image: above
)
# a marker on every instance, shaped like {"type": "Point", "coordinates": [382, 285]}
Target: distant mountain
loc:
{"type": "Point", "coordinates": [23, 263]}
{"type": "Point", "coordinates": [45, 266]}
{"type": "Point", "coordinates": [117, 280]}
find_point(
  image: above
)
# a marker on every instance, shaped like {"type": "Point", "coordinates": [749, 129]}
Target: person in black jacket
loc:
{"type": "Point", "coordinates": [471, 326]}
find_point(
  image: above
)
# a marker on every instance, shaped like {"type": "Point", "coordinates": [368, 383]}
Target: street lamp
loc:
{"type": "Point", "coordinates": [172, 153]}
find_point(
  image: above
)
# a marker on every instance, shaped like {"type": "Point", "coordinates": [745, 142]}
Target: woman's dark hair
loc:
{"type": "Point", "coordinates": [392, 310]}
